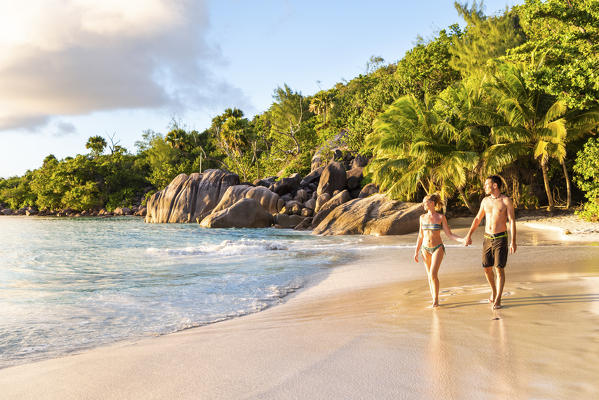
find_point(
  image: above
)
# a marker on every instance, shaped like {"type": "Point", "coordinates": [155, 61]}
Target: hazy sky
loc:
{"type": "Point", "coordinates": [70, 69]}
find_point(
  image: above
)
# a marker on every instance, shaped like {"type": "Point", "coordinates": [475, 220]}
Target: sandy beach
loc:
{"type": "Point", "coordinates": [365, 332]}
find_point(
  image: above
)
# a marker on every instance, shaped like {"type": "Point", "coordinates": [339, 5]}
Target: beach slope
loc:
{"type": "Point", "coordinates": [366, 331]}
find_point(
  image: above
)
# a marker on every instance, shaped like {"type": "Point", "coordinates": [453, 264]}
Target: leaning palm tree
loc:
{"type": "Point", "coordinates": [532, 123]}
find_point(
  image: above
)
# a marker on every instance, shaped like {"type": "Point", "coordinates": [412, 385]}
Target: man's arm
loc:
{"type": "Point", "coordinates": [479, 217]}
{"type": "Point", "coordinates": [511, 217]}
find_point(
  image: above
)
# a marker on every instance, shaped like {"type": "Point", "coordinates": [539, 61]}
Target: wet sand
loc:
{"type": "Point", "coordinates": [366, 332]}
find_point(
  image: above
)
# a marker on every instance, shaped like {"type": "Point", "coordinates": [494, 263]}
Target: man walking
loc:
{"type": "Point", "coordinates": [498, 210]}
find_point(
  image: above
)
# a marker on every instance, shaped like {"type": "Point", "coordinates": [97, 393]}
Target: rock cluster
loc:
{"type": "Point", "coordinates": [329, 200]}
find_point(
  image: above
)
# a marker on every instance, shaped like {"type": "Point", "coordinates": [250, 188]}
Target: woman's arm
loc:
{"type": "Point", "coordinates": [449, 233]}
{"type": "Point", "coordinates": [418, 241]}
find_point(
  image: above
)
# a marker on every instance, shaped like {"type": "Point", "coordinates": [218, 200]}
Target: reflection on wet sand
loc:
{"type": "Point", "coordinates": [501, 358]}
{"type": "Point", "coordinates": [439, 371]}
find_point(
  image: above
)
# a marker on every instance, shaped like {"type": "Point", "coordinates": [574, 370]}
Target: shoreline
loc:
{"type": "Point", "coordinates": [360, 319]}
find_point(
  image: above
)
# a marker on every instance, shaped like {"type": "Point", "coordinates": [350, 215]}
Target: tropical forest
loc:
{"type": "Point", "coordinates": [514, 94]}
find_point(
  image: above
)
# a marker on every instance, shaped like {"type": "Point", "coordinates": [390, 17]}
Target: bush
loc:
{"type": "Point", "coordinates": [586, 176]}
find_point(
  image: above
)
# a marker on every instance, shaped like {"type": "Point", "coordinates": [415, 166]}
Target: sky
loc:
{"type": "Point", "coordinates": [71, 69]}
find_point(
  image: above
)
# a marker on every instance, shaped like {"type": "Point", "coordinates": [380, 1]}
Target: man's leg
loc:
{"type": "Point", "coordinates": [491, 279]}
{"type": "Point", "coordinates": [500, 283]}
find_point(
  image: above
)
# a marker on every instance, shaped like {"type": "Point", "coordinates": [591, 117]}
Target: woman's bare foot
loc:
{"type": "Point", "coordinates": [497, 306]}
{"type": "Point", "coordinates": [435, 304]}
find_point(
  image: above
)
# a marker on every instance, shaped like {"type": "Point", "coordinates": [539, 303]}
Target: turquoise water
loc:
{"type": "Point", "coordinates": [72, 284]}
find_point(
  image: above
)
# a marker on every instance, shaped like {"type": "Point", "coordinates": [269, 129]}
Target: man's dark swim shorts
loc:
{"type": "Point", "coordinates": [495, 250]}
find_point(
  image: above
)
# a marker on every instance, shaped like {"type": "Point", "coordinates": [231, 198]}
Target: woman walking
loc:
{"type": "Point", "coordinates": [429, 241]}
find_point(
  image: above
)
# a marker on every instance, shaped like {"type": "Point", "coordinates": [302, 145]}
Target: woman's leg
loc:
{"type": "Point", "coordinates": [427, 258]}
{"type": "Point", "coordinates": [436, 259]}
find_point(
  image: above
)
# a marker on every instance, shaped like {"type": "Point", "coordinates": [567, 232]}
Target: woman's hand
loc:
{"type": "Point", "coordinates": [416, 255]}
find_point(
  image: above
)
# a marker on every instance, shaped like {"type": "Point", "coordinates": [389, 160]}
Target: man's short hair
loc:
{"type": "Point", "coordinates": [496, 179]}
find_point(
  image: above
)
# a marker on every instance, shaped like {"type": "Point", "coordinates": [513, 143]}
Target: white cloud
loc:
{"type": "Point", "coordinates": [73, 57]}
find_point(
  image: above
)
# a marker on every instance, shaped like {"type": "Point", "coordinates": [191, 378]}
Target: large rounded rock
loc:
{"type": "Point", "coordinates": [189, 198]}
{"type": "Point", "coordinates": [374, 215]}
{"type": "Point", "coordinates": [306, 212]}
{"type": "Point", "coordinates": [321, 200]}
{"type": "Point", "coordinates": [305, 225]}
{"type": "Point", "coordinates": [333, 178]}
{"type": "Point", "coordinates": [267, 199]}
{"type": "Point", "coordinates": [359, 161]}
{"type": "Point", "coordinates": [266, 182]}
{"type": "Point", "coordinates": [312, 177]}
{"type": "Point", "coordinates": [246, 213]}
{"type": "Point", "coordinates": [292, 207]}
{"type": "Point", "coordinates": [231, 196]}
{"type": "Point", "coordinates": [329, 206]}
{"type": "Point", "coordinates": [368, 190]}
{"type": "Point", "coordinates": [288, 221]}
{"type": "Point", "coordinates": [301, 196]}
{"type": "Point", "coordinates": [354, 178]}
{"type": "Point", "coordinates": [287, 185]}
{"type": "Point", "coordinates": [310, 204]}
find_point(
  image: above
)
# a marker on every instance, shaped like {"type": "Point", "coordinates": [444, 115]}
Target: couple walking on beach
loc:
{"type": "Point", "coordinates": [498, 211]}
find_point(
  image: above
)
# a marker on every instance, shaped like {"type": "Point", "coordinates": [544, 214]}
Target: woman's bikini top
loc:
{"type": "Point", "coordinates": [432, 227]}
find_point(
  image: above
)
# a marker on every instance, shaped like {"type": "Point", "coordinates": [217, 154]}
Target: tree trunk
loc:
{"type": "Point", "coordinates": [547, 188]}
{"type": "Point", "coordinates": [515, 190]}
{"type": "Point", "coordinates": [568, 186]}
{"type": "Point", "coordinates": [465, 200]}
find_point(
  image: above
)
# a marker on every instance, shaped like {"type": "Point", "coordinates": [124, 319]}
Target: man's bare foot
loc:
{"type": "Point", "coordinates": [435, 305]}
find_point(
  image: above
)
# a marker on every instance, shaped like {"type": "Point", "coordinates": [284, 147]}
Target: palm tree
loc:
{"type": "Point", "coordinates": [96, 144]}
{"type": "Point", "coordinates": [176, 138]}
{"type": "Point", "coordinates": [531, 122]}
{"type": "Point", "coordinates": [415, 145]}
{"type": "Point", "coordinates": [321, 104]}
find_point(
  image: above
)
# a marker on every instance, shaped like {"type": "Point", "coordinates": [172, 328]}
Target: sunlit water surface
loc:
{"type": "Point", "coordinates": [71, 284]}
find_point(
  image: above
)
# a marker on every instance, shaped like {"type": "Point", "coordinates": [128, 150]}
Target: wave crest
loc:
{"type": "Point", "coordinates": [224, 248]}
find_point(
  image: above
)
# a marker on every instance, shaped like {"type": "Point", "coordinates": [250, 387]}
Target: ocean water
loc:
{"type": "Point", "coordinates": [71, 284]}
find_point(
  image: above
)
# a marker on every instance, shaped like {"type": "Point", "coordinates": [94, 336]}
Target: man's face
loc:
{"type": "Point", "coordinates": [488, 186]}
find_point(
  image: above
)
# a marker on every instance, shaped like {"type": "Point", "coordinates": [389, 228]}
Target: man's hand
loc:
{"type": "Point", "coordinates": [467, 241]}
{"type": "Point", "coordinates": [513, 247]}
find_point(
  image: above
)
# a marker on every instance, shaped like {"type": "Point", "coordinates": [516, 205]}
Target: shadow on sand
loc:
{"type": "Point", "coordinates": [510, 302]}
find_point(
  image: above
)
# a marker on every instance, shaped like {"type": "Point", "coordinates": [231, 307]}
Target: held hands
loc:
{"type": "Point", "coordinates": [467, 241]}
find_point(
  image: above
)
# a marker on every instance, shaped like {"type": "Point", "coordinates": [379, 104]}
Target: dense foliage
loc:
{"type": "Point", "coordinates": [514, 94]}
{"type": "Point", "coordinates": [587, 178]}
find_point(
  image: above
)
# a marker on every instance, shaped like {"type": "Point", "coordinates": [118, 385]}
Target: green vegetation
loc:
{"type": "Point", "coordinates": [515, 94]}
{"type": "Point", "coordinates": [587, 178]}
